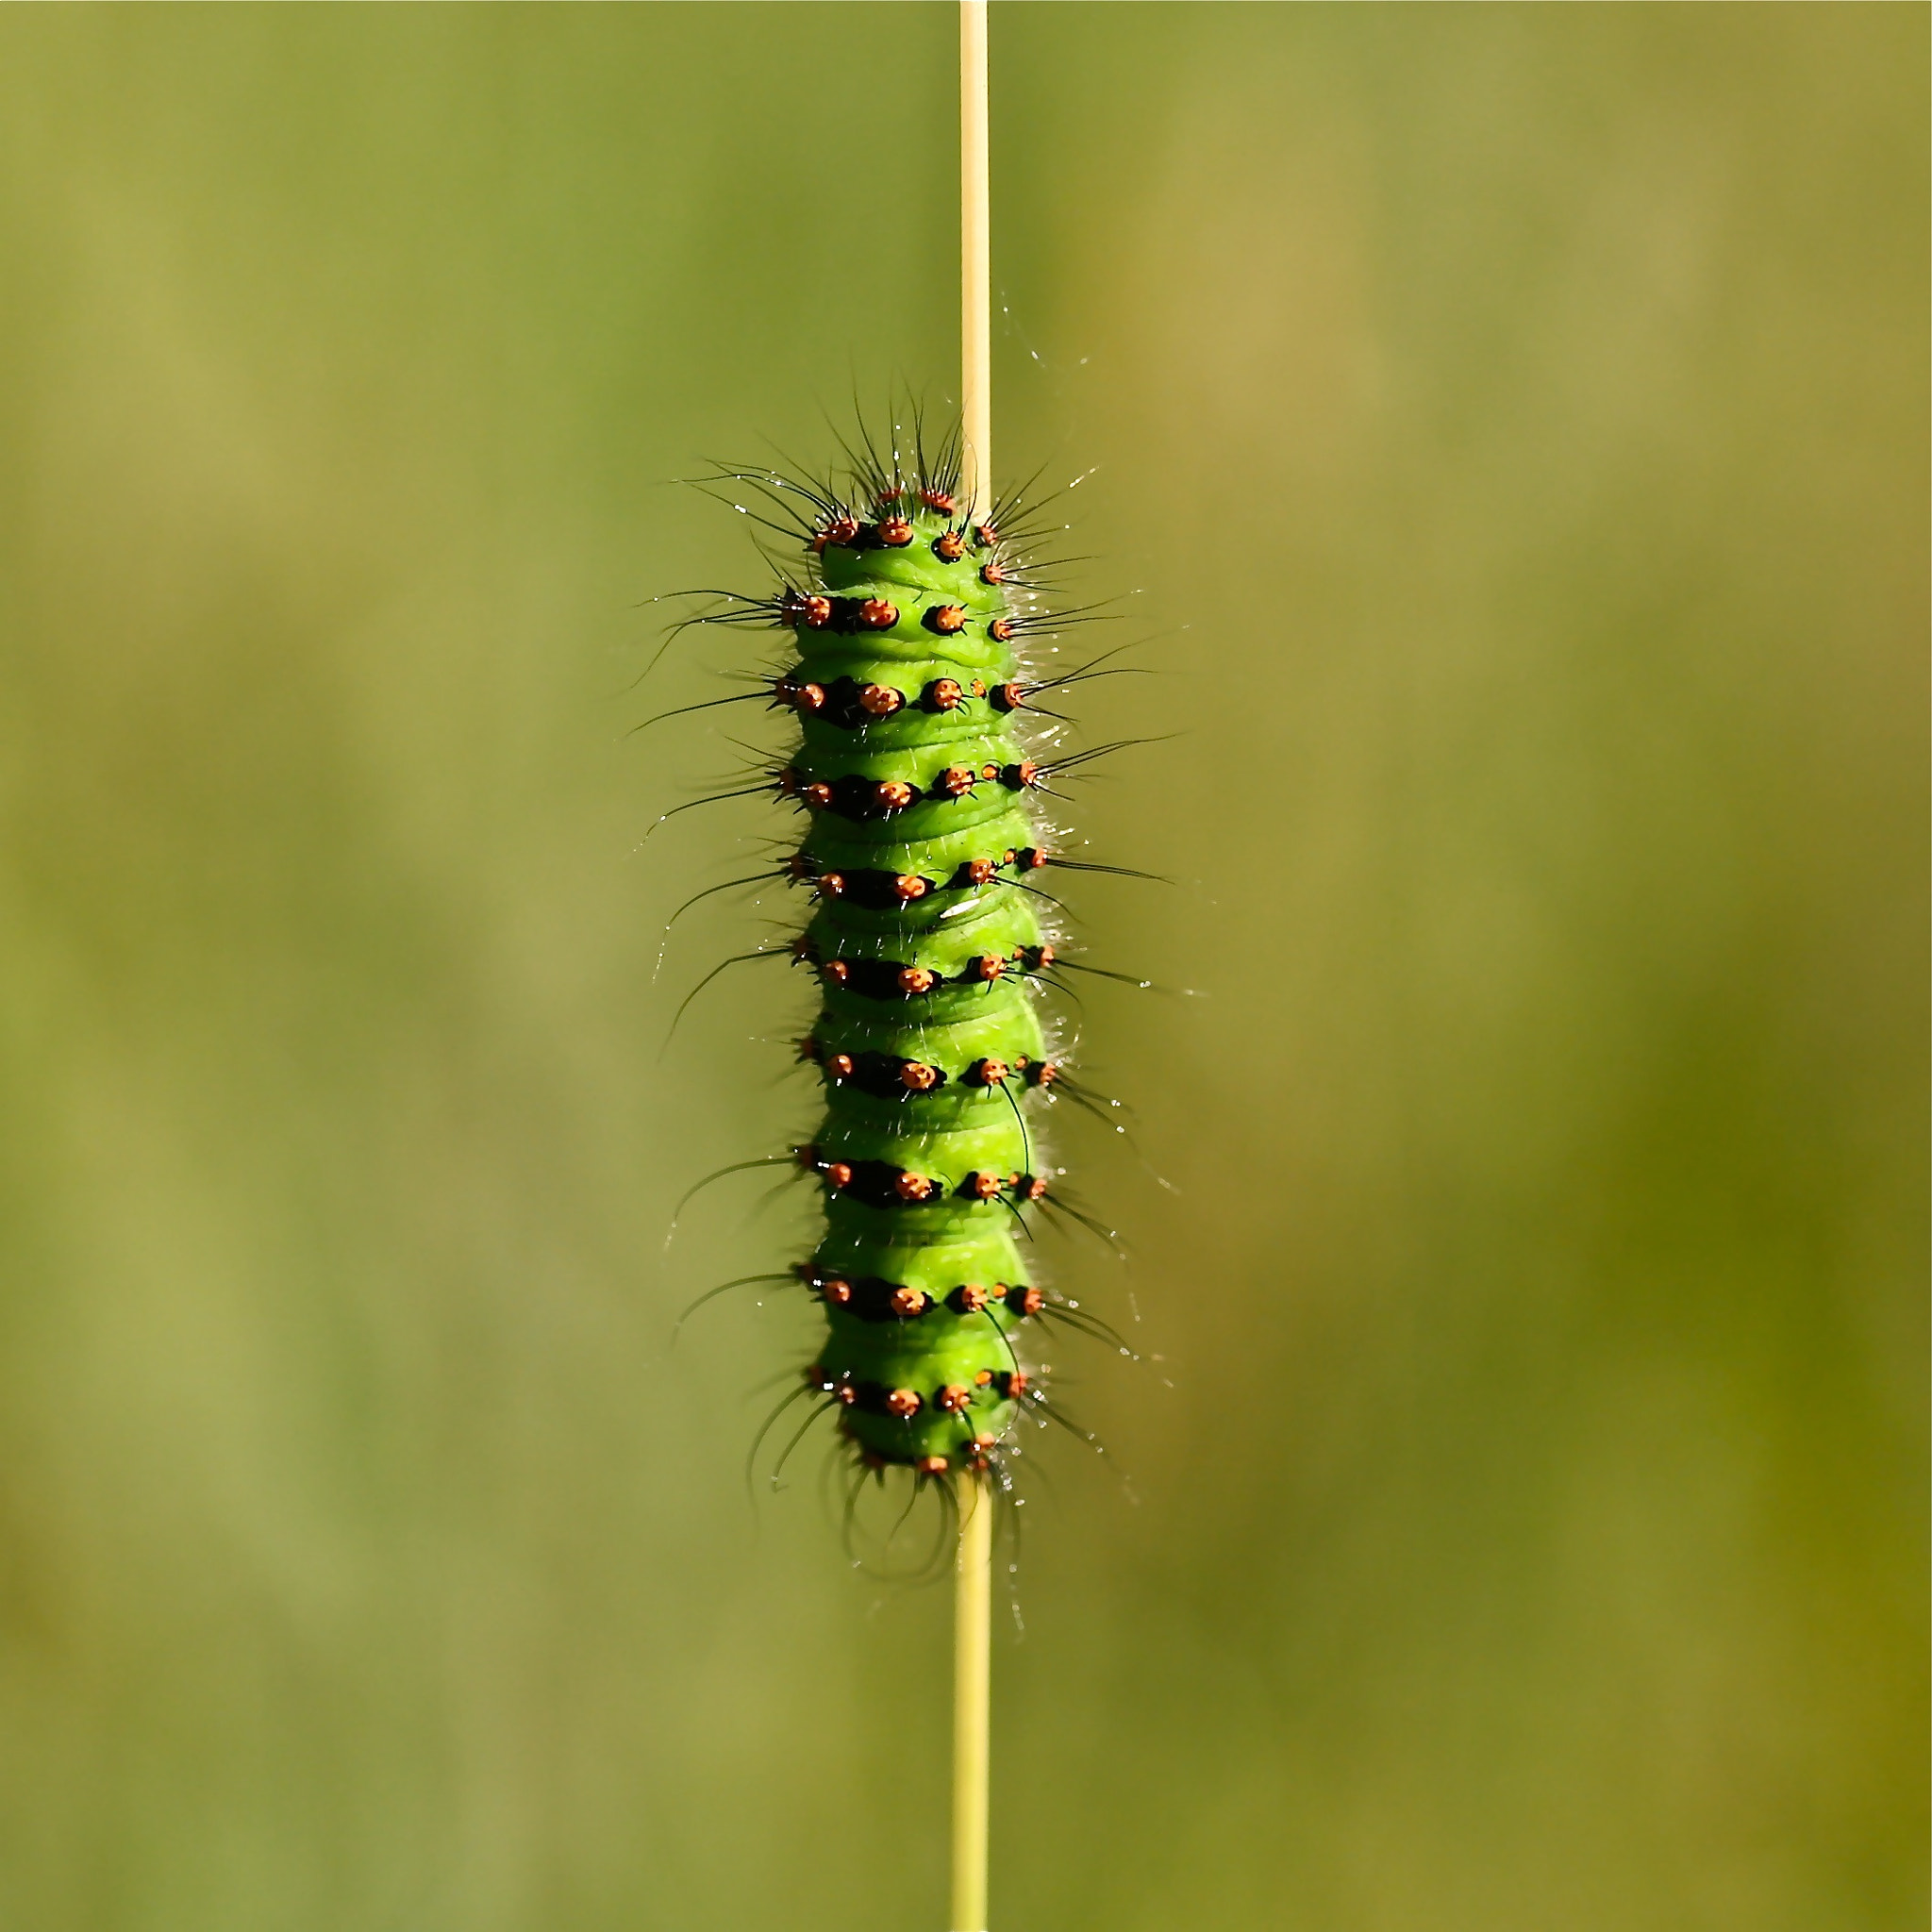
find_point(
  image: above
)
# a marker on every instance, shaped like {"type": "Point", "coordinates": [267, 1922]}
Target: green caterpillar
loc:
{"type": "Point", "coordinates": [928, 944]}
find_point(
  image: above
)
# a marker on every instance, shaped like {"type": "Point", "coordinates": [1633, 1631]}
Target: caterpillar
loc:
{"type": "Point", "coordinates": [930, 938]}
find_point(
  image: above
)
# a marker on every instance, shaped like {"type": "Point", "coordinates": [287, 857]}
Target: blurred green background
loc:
{"type": "Point", "coordinates": [1511, 422]}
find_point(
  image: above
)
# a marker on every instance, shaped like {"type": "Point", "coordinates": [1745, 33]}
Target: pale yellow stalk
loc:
{"type": "Point", "coordinates": [973, 1569]}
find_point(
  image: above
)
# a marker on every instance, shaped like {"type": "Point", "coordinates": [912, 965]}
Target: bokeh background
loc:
{"type": "Point", "coordinates": [1510, 426]}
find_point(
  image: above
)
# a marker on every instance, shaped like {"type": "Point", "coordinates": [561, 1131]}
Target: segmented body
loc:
{"type": "Point", "coordinates": [926, 945]}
